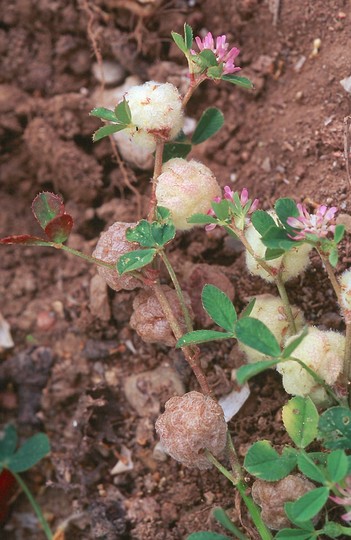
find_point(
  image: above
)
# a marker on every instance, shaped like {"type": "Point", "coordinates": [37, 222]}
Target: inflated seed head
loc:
{"type": "Point", "coordinates": [156, 111]}
{"type": "Point", "coordinates": [269, 309]}
{"type": "Point", "coordinates": [111, 245]}
{"type": "Point", "coordinates": [190, 424]}
{"type": "Point", "coordinates": [322, 351]}
{"type": "Point", "coordinates": [289, 265]}
{"type": "Point", "coordinates": [345, 285]}
{"type": "Point", "coordinates": [272, 496]}
{"type": "Point", "coordinates": [149, 321]}
{"type": "Point", "coordinates": [186, 188]}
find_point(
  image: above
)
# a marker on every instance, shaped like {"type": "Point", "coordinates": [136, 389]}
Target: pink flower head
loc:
{"type": "Point", "coordinates": [320, 223]}
{"type": "Point", "coordinates": [220, 49]}
{"type": "Point", "coordinates": [243, 207]}
{"type": "Point", "coordinates": [345, 498]}
{"type": "Point", "coordinates": [244, 199]}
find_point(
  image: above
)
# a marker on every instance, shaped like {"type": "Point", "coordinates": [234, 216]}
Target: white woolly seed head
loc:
{"type": "Point", "coordinates": [322, 351]}
{"type": "Point", "coordinates": [156, 111]}
{"type": "Point", "coordinates": [186, 188]}
{"type": "Point", "coordinates": [190, 424]}
{"type": "Point", "coordinates": [289, 265]}
{"type": "Point", "coordinates": [269, 309]}
{"type": "Point", "coordinates": [345, 285]}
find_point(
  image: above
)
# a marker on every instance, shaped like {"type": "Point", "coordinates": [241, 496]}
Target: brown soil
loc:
{"type": "Point", "coordinates": [67, 371]}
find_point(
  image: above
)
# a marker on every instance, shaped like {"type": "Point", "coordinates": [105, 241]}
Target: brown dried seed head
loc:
{"type": "Point", "coordinates": [111, 245]}
{"type": "Point", "coordinates": [190, 424]}
{"type": "Point", "coordinates": [272, 496]}
{"type": "Point", "coordinates": [149, 321]}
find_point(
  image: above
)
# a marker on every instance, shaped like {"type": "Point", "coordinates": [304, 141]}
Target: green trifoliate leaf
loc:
{"type": "Point", "coordinates": [244, 373]}
{"type": "Point", "coordinates": [202, 219]}
{"type": "Point", "coordinates": [215, 72]}
{"type": "Point", "coordinates": [205, 59]}
{"type": "Point", "coordinates": [141, 234]}
{"type": "Point", "coordinates": [175, 149]}
{"type": "Point", "coordinates": [308, 506]}
{"type": "Point", "coordinates": [32, 451]}
{"type": "Point", "coordinates": [304, 525]}
{"type": "Point", "coordinates": [46, 207]}
{"type": "Point", "coordinates": [59, 228]}
{"type": "Point", "coordinates": [207, 535]}
{"type": "Point", "coordinates": [277, 238]}
{"type": "Point", "coordinates": [179, 41]}
{"type": "Point", "coordinates": [219, 307]}
{"type": "Point", "coordinates": [104, 114]}
{"type": "Point", "coordinates": [300, 418]}
{"type": "Point", "coordinates": [286, 208]}
{"type": "Point", "coordinates": [188, 36]}
{"type": "Point", "coordinates": [8, 442]}
{"type": "Point", "coordinates": [202, 336]}
{"type": "Point", "coordinates": [289, 349]}
{"type": "Point", "coordinates": [135, 260]}
{"type": "Point", "coordinates": [339, 233]}
{"type": "Point", "coordinates": [162, 233]}
{"type": "Point", "coordinates": [123, 112]}
{"type": "Point", "coordinates": [248, 310]}
{"type": "Point", "coordinates": [243, 82]}
{"type": "Point", "coordinates": [221, 209]}
{"type": "Point", "coordinates": [335, 428]}
{"type": "Point", "coordinates": [309, 468]}
{"type": "Point", "coordinates": [163, 214]}
{"type": "Point", "coordinates": [333, 257]}
{"type": "Point", "coordinates": [105, 131]}
{"type": "Point", "coordinates": [262, 221]}
{"type": "Point", "coordinates": [271, 254]}
{"type": "Point", "coordinates": [265, 463]}
{"type": "Point", "coordinates": [210, 122]}
{"type": "Point", "coordinates": [337, 465]}
{"type": "Point", "coordinates": [253, 333]}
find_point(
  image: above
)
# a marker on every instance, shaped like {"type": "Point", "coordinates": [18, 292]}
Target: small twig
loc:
{"type": "Point", "coordinates": [347, 122]}
{"type": "Point", "coordinates": [157, 171]}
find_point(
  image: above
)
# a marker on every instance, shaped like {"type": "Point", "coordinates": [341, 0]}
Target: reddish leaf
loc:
{"type": "Point", "coordinates": [7, 490]}
{"type": "Point", "coordinates": [26, 239]}
{"type": "Point", "coordinates": [59, 228]}
{"type": "Point", "coordinates": [46, 207]}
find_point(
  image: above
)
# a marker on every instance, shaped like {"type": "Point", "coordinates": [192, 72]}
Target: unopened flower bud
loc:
{"type": "Point", "coordinates": [156, 111]}
{"type": "Point", "coordinates": [272, 496]}
{"type": "Point", "coordinates": [269, 309]}
{"type": "Point", "coordinates": [345, 285]}
{"type": "Point", "coordinates": [111, 245]}
{"type": "Point", "coordinates": [289, 265]}
{"type": "Point", "coordinates": [191, 424]}
{"type": "Point", "coordinates": [186, 188]}
{"type": "Point", "coordinates": [149, 320]}
{"type": "Point", "coordinates": [323, 352]}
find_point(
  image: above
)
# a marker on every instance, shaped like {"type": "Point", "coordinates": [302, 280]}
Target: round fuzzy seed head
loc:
{"type": "Point", "coordinates": [149, 321]}
{"type": "Point", "coordinates": [345, 285]}
{"type": "Point", "coordinates": [186, 188]}
{"type": "Point", "coordinates": [156, 111]}
{"type": "Point", "coordinates": [321, 351]}
{"type": "Point", "coordinates": [272, 496]}
{"type": "Point", "coordinates": [111, 245]}
{"type": "Point", "coordinates": [270, 310]}
{"type": "Point", "coordinates": [189, 425]}
{"type": "Point", "coordinates": [289, 265]}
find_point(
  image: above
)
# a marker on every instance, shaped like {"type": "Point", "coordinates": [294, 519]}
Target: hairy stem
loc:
{"type": "Point", "coordinates": [88, 258]}
{"type": "Point", "coordinates": [331, 275]}
{"type": "Point", "coordinates": [253, 509]}
{"type": "Point", "coordinates": [277, 279]}
{"type": "Point", "coordinates": [173, 276]}
{"type": "Point", "coordinates": [157, 171]}
{"type": "Point", "coordinates": [35, 507]}
{"type": "Point", "coordinates": [191, 353]}
{"type": "Point", "coordinates": [194, 83]}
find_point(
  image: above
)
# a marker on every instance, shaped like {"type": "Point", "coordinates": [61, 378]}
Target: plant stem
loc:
{"type": "Point", "coordinates": [277, 279]}
{"type": "Point", "coordinates": [88, 258]}
{"type": "Point", "coordinates": [250, 505]}
{"type": "Point", "coordinates": [191, 353]}
{"type": "Point", "coordinates": [285, 300]}
{"type": "Point", "coordinates": [233, 458]}
{"type": "Point", "coordinates": [329, 269]}
{"type": "Point", "coordinates": [157, 171]}
{"type": "Point", "coordinates": [193, 85]}
{"type": "Point", "coordinates": [35, 507]}
{"type": "Point", "coordinates": [173, 276]}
